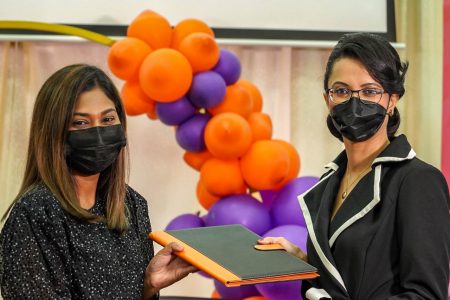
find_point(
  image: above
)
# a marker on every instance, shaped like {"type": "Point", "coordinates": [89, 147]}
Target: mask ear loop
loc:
{"type": "Point", "coordinates": [390, 112]}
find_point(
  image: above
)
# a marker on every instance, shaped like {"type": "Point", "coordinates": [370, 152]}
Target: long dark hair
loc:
{"type": "Point", "coordinates": [46, 163]}
{"type": "Point", "coordinates": [381, 61]}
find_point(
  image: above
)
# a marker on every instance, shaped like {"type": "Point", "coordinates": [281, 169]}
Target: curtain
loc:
{"type": "Point", "coordinates": [419, 26]}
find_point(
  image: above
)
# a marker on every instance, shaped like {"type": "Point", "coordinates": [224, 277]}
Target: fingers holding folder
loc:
{"type": "Point", "coordinates": [273, 243]}
{"type": "Point", "coordinates": [167, 268]}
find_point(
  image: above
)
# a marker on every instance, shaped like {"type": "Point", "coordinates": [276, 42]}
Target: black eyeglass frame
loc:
{"type": "Point", "coordinates": [330, 97]}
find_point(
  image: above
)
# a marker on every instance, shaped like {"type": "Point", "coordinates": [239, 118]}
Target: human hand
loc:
{"type": "Point", "coordinates": [288, 246]}
{"type": "Point", "coordinates": [164, 269]}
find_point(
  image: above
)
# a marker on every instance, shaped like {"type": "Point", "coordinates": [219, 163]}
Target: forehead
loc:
{"type": "Point", "coordinates": [351, 72]}
{"type": "Point", "coordinates": [93, 101]}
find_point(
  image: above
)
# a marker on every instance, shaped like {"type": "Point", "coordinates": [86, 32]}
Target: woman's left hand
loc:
{"type": "Point", "coordinates": [164, 269]}
{"type": "Point", "coordinates": [287, 245]}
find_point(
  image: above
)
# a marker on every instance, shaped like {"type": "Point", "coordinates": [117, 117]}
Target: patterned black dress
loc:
{"type": "Point", "coordinates": [47, 254]}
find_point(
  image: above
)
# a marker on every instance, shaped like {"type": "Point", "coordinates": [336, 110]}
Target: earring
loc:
{"type": "Point", "coordinates": [390, 113]}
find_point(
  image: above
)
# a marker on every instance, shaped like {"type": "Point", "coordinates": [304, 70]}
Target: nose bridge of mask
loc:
{"type": "Point", "coordinates": [356, 108]}
{"type": "Point", "coordinates": [93, 137]}
{"type": "Point", "coordinates": [349, 108]}
{"type": "Point", "coordinates": [102, 134]}
{"type": "Point", "coordinates": [359, 106]}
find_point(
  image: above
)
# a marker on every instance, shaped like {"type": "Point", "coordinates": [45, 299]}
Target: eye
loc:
{"type": "Point", "coordinates": [341, 92]}
{"type": "Point", "coordinates": [371, 92]}
{"type": "Point", "coordinates": [79, 123]}
{"type": "Point", "coordinates": [109, 119]}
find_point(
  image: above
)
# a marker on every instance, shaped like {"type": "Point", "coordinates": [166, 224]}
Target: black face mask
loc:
{"type": "Point", "coordinates": [92, 150]}
{"type": "Point", "coordinates": [358, 120]}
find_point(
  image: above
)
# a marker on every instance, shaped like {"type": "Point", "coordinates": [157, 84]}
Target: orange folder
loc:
{"type": "Point", "coordinates": [228, 254]}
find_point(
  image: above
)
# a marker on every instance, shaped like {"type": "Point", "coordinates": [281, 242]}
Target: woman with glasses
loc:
{"type": "Point", "coordinates": [378, 220]}
{"type": "Point", "coordinates": [76, 230]}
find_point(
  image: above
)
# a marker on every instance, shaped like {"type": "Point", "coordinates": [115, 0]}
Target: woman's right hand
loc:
{"type": "Point", "coordinates": [164, 269]}
{"type": "Point", "coordinates": [288, 246]}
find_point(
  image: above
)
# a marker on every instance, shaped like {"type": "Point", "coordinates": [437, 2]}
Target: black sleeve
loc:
{"type": "Point", "coordinates": [32, 262]}
{"type": "Point", "coordinates": [423, 235]}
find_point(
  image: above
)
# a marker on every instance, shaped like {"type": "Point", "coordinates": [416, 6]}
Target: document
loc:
{"type": "Point", "coordinates": [228, 254]}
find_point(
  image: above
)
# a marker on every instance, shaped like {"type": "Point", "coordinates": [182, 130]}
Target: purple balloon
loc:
{"type": "Point", "coordinates": [235, 293]}
{"type": "Point", "coordinates": [286, 290]}
{"type": "Point", "coordinates": [239, 209]}
{"type": "Point", "coordinates": [176, 112]}
{"type": "Point", "coordinates": [293, 233]}
{"type": "Point", "coordinates": [190, 134]}
{"type": "Point", "coordinates": [207, 89]}
{"type": "Point", "coordinates": [185, 221]}
{"type": "Point", "coordinates": [228, 66]}
{"type": "Point", "coordinates": [285, 208]}
{"type": "Point", "coordinates": [267, 197]}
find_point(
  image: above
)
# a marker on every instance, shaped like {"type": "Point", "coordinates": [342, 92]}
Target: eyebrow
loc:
{"type": "Point", "coordinates": [363, 85]}
{"type": "Point", "coordinates": [87, 114]}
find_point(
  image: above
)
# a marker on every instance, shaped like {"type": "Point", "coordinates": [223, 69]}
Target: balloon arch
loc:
{"type": "Point", "coordinates": [179, 75]}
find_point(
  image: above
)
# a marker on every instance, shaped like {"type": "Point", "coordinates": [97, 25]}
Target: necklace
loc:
{"type": "Point", "coordinates": [348, 186]}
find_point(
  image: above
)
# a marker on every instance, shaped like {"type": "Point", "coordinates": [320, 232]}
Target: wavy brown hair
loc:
{"type": "Point", "coordinates": [46, 162]}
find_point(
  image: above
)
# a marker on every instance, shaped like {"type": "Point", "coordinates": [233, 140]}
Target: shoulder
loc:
{"type": "Point", "coordinates": [138, 209]}
{"type": "Point", "coordinates": [35, 212]}
{"type": "Point", "coordinates": [36, 204]}
{"type": "Point", "coordinates": [136, 202]}
{"type": "Point", "coordinates": [135, 196]}
{"type": "Point", "coordinates": [422, 183]}
{"type": "Point", "coordinates": [416, 170]}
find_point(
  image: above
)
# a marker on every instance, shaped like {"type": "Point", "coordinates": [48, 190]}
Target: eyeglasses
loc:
{"type": "Point", "coordinates": [341, 95]}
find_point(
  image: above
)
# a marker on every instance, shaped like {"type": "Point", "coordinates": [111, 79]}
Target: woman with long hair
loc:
{"type": "Point", "coordinates": [76, 229]}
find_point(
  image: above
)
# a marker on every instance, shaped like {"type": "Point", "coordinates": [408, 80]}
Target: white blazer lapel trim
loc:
{"type": "Point", "coordinates": [331, 166]}
{"type": "Point", "coordinates": [312, 235]}
{"type": "Point", "coordinates": [365, 210]}
{"type": "Point", "coordinates": [316, 294]}
{"type": "Point", "coordinates": [410, 155]}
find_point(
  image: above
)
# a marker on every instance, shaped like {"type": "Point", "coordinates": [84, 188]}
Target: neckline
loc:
{"type": "Point", "coordinates": [98, 207]}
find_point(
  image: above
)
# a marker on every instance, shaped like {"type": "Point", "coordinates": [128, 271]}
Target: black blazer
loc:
{"type": "Point", "coordinates": [389, 239]}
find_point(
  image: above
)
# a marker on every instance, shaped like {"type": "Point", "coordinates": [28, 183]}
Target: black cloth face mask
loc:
{"type": "Point", "coordinates": [92, 150]}
{"type": "Point", "coordinates": [358, 120]}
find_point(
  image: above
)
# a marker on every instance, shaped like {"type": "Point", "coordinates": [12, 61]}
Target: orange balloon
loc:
{"type": "Point", "coordinates": [201, 50]}
{"type": "Point", "coordinates": [254, 92]}
{"type": "Point", "coordinates": [222, 177]}
{"type": "Point", "coordinates": [152, 28]}
{"type": "Point", "coordinates": [215, 295]}
{"type": "Point", "coordinates": [135, 100]}
{"type": "Point", "coordinates": [236, 100]}
{"type": "Point", "coordinates": [186, 27]}
{"type": "Point", "coordinates": [261, 126]}
{"type": "Point", "coordinates": [196, 159]}
{"type": "Point", "coordinates": [165, 75]}
{"type": "Point", "coordinates": [266, 165]}
{"type": "Point", "coordinates": [294, 161]}
{"type": "Point", "coordinates": [228, 135]}
{"type": "Point", "coordinates": [255, 298]}
{"type": "Point", "coordinates": [205, 198]}
{"type": "Point", "coordinates": [125, 57]}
